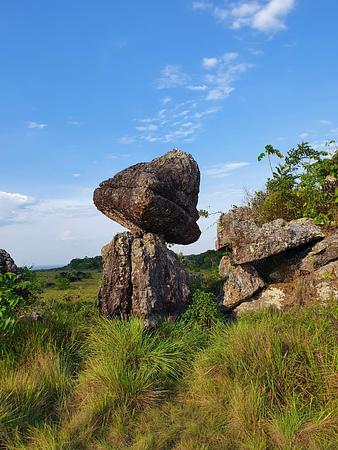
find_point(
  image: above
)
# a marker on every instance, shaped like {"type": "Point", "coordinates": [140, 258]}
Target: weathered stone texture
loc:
{"type": "Point", "coordinates": [7, 264]}
{"type": "Point", "coordinates": [241, 282]}
{"type": "Point", "coordinates": [142, 277]}
{"type": "Point", "coordinates": [250, 242]}
{"type": "Point", "coordinates": [321, 254]}
{"type": "Point", "coordinates": [159, 197]}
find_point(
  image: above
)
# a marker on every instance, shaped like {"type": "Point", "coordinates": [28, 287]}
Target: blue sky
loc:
{"type": "Point", "coordinates": [88, 88]}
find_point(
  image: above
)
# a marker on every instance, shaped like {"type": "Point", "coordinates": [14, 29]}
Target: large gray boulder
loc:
{"type": "Point", "coordinates": [7, 264]}
{"type": "Point", "coordinates": [157, 197]}
{"type": "Point", "coordinates": [251, 242]}
{"type": "Point", "coordinates": [142, 277]}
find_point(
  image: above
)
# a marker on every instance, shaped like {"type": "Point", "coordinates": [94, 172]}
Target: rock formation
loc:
{"type": "Point", "coordinates": [6, 263]}
{"type": "Point", "coordinates": [275, 264]}
{"type": "Point", "coordinates": [250, 242]}
{"type": "Point", "coordinates": [159, 197]}
{"type": "Point", "coordinates": [157, 202]}
{"type": "Point", "coordinates": [142, 277]}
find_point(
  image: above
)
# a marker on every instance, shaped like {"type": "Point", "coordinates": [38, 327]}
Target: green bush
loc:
{"type": "Point", "coordinates": [304, 185]}
{"type": "Point", "coordinates": [16, 290]}
{"type": "Point", "coordinates": [203, 311]}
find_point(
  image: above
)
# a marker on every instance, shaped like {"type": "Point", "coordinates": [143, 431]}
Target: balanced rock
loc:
{"type": "Point", "coordinates": [251, 242]}
{"type": "Point", "coordinates": [6, 263]}
{"type": "Point", "coordinates": [142, 277]}
{"type": "Point", "coordinates": [157, 197]}
{"type": "Point", "coordinates": [241, 282]}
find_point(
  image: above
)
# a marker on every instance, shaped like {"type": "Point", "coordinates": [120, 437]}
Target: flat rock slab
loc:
{"type": "Point", "coordinates": [6, 262]}
{"type": "Point", "coordinates": [142, 277]}
{"type": "Point", "coordinates": [157, 197]}
{"type": "Point", "coordinates": [251, 243]}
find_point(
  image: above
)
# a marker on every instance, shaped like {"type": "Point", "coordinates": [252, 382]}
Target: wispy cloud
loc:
{"type": "Point", "coordinates": [224, 73]}
{"type": "Point", "coordinates": [201, 6]}
{"type": "Point", "coordinates": [125, 140]}
{"type": "Point", "coordinates": [325, 122]}
{"type": "Point", "coordinates": [76, 175]}
{"type": "Point", "coordinates": [171, 76]}
{"type": "Point", "coordinates": [216, 80]}
{"type": "Point", "coordinates": [181, 122]}
{"type": "Point", "coordinates": [36, 125]}
{"type": "Point", "coordinates": [224, 169]}
{"type": "Point", "coordinates": [267, 16]}
{"type": "Point", "coordinates": [303, 135]}
{"type": "Point", "coordinates": [166, 100]}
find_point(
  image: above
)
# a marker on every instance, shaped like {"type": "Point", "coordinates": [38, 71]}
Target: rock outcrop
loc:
{"type": "Point", "coordinates": [157, 202]}
{"type": "Point", "coordinates": [6, 262]}
{"type": "Point", "coordinates": [142, 277]}
{"type": "Point", "coordinates": [250, 242]}
{"type": "Point", "coordinates": [157, 197]}
{"type": "Point", "coordinates": [277, 264]}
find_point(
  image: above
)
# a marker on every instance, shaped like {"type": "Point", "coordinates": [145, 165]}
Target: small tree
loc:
{"type": "Point", "coordinates": [269, 151]}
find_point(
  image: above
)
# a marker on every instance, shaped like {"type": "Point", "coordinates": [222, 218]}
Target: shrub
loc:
{"type": "Point", "coordinates": [304, 185]}
{"type": "Point", "coordinates": [203, 311]}
{"type": "Point", "coordinates": [16, 290]}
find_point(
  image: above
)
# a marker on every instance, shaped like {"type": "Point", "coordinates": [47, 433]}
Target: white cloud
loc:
{"type": "Point", "coordinates": [13, 206]}
{"type": "Point", "coordinates": [209, 63]}
{"type": "Point", "coordinates": [67, 235]}
{"type": "Point", "coordinates": [223, 170]}
{"type": "Point", "coordinates": [334, 130]}
{"type": "Point", "coordinates": [325, 122]}
{"type": "Point", "coordinates": [36, 125]}
{"type": "Point", "coordinates": [166, 100]}
{"type": "Point", "coordinates": [221, 81]}
{"type": "Point", "coordinates": [270, 17]}
{"type": "Point", "coordinates": [303, 135]}
{"type": "Point", "coordinates": [75, 123]}
{"type": "Point", "coordinates": [150, 127]}
{"type": "Point", "coordinates": [171, 76]}
{"type": "Point", "coordinates": [267, 16]}
{"type": "Point", "coordinates": [76, 175]}
{"type": "Point", "coordinates": [206, 112]}
{"type": "Point", "coordinates": [198, 87]}
{"type": "Point", "coordinates": [201, 5]}
{"type": "Point", "coordinates": [126, 140]}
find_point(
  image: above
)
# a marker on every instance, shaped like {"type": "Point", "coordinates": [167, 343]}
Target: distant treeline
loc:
{"type": "Point", "coordinates": [203, 261]}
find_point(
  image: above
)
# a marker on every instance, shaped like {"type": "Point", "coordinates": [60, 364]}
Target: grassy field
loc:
{"type": "Point", "coordinates": [77, 381]}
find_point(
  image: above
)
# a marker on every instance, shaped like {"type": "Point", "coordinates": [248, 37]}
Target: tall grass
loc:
{"type": "Point", "coordinates": [264, 382]}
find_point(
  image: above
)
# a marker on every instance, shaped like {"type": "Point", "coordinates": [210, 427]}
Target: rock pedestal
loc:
{"type": "Point", "coordinates": [157, 202]}
{"type": "Point", "coordinates": [142, 277]}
